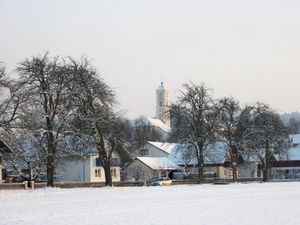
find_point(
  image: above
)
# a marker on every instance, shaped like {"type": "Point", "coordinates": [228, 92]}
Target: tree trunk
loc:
{"type": "Point", "coordinates": [50, 160]}
{"type": "Point", "coordinates": [201, 168]}
{"type": "Point", "coordinates": [50, 170]}
{"type": "Point", "coordinates": [267, 166]}
{"type": "Point", "coordinates": [234, 173]}
{"type": "Point", "coordinates": [234, 167]}
{"type": "Point", "coordinates": [107, 167]}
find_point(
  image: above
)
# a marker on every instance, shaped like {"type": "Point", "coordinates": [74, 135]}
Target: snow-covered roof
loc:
{"type": "Point", "coordinates": [292, 154]}
{"type": "Point", "coordinates": [153, 123]}
{"type": "Point", "coordinates": [186, 154]}
{"type": "Point", "coordinates": [166, 147]}
{"type": "Point", "coordinates": [158, 123]}
{"type": "Point", "coordinates": [158, 163]}
{"type": "Point", "coordinates": [294, 138]}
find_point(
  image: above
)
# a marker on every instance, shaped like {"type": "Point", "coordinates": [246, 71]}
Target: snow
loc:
{"type": "Point", "coordinates": [166, 147]}
{"type": "Point", "coordinates": [235, 204]}
{"type": "Point", "coordinates": [159, 123]}
{"type": "Point", "coordinates": [295, 138]}
{"type": "Point", "coordinates": [294, 154]}
{"type": "Point", "coordinates": [153, 123]}
{"type": "Point", "coordinates": [158, 163]}
{"type": "Point", "coordinates": [186, 154]}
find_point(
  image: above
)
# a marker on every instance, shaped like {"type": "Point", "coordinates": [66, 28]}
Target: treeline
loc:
{"type": "Point", "coordinates": [60, 107]}
{"type": "Point", "coordinates": [244, 130]}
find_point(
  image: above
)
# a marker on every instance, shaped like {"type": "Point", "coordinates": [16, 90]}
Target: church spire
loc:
{"type": "Point", "coordinates": [162, 102]}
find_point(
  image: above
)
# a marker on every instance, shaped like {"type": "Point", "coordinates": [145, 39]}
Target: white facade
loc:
{"type": "Point", "coordinates": [162, 101]}
{"type": "Point", "coordinates": [146, 168]}
{"type": "Point", "coordinates": [150, 149]}
{"type": "Point", "coordinates": [84, 170]}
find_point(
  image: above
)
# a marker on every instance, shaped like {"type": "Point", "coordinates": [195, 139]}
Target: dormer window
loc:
{"type": "Point", "coordinates": [144, 152]}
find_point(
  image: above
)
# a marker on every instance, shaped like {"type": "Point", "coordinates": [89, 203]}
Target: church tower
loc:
{"type": "Point", "coordinates": [162, 97]}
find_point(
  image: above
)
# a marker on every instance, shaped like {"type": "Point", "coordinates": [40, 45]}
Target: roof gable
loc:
{"type": "Point", "coordinates": [158, 163]}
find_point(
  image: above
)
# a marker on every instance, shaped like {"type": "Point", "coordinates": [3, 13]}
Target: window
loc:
{"type": "Point", "coordinates": [160, 103]}
{"type": "Point", "coordinates": [259, 169]}
{"type": "Point", "coordinates": [258, 173]}
{"type": "Point", "coordinates": [113, 172]}
{"type": "Point", "coordinates": [97, 172]}
{"type": "Point", "coordinates": [115, 162]}
{"type": "Point", "coordinates": [98, 162]}
{"type": "Point", "coordinates": [144, 152]}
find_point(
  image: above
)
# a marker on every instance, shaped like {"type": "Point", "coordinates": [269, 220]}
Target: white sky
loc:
{"type": "Point", "coordinates": [246, 49]}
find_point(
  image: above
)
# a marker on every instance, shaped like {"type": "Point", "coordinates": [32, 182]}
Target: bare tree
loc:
{"type": "Point", "coordinates": [26, 157]}
{"type": "Point", "coordinates": [266, 136]}
{"type": "Point", "coordinates": [235, 121]}
{"type": "Point", "coordinates": [293, 126]}
{"type": "Point", "coordinates": [12, 98]}
{"type": "Point", "coordinates": [143, 132]}
{"type": "Point", "coordinates": [45, 83]}
{"type": "Point", "coordinates": [93, 102]}
{"type": "Point", "coordinates": [196, 116]}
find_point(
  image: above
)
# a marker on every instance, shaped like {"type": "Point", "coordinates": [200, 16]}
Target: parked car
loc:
{"type": "Point", "coordinates": [162, 181]}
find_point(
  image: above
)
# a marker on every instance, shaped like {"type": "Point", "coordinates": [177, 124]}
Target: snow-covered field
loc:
{"type": "Point", "coordinates": [235, 204]}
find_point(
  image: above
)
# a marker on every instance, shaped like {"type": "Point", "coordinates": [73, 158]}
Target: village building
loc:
{"type": "Point", "coordinates": [147, 168]}
{"type": "Point", "coordinates": [217, 161]}
{"type": "Point", "coordinates": [87, 168]}
{"type": "Point", "coordinates": [287, 166]}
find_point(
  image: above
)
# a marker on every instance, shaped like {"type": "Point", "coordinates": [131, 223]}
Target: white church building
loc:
{"type": "Point", "coordinates": [161, 122]}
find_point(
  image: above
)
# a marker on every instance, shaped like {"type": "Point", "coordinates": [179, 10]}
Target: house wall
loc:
{"type": "Point", "coordinates": [100, 177]}
{"type": "Point", "coordinates": [84, 171]}
{"type": "Point", "coordinates": [285, 173]}
{"type": "Point", "coordinates": [152, 151]}
{"type": "Point", "coordinates": [138, 171]}
{"type": "Point", "coordinates": [220, 171]}
{"type": "Point", "coordinates": [73, 171]}
{"type": "Point", "coordinates": [249, 170]}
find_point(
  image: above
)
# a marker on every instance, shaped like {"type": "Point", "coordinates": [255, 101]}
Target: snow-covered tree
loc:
{"type": "Point", "coordinates": [266, 137]}
{"type": "Point", "coordinates": [93, 103]}
{"type": "Point", "coordinates": [11, 98]}
{"type": "Point", "coordinates": [26, 156]}
{"type": "Point", "coordinates": [235, 121]}
{"type": "Point", "coordinates": [45, 82]}
{"type": "Point", "coordinates": [196, 121]}
{"type": "Point", "coordinates": [143, 132]}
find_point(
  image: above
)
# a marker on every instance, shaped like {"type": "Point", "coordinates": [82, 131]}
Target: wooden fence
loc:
{"type": "Point", "coordinates": [19, 186]}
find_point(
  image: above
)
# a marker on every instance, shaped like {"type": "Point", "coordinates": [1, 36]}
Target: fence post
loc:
{"type": "Point", "coordinates": [32, 184]}
{"type": "Point", "coordinates": [25, 183]}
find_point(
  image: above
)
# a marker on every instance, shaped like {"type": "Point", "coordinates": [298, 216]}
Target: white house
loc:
{"type": "Point", "coordinates": [146, 168]}
{"type": "Point", "coordinates": [86, 169]}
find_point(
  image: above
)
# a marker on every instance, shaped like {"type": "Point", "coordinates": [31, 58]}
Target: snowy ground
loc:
{"type": "Point", "coordinates": [236, 204]}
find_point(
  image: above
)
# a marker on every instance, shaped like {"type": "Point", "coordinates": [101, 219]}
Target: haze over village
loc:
{"type": "Point", "coordinates": [248, 50]}
{"type": "Point", "coordinates": [149, 112]}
